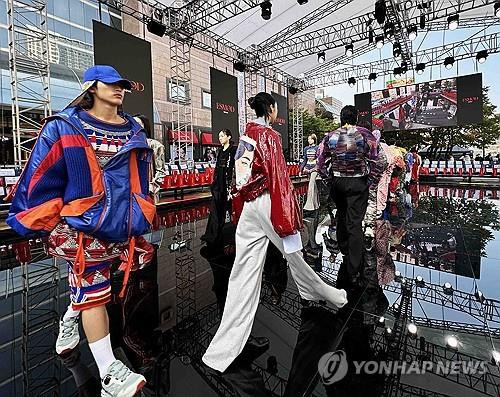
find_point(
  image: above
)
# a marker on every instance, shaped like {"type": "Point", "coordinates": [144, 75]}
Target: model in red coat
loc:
{"type": "Point", "coordinates": [267, 210]}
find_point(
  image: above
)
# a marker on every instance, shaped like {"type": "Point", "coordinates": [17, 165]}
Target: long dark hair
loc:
{"type": "Point", "coordinates": [261, 103]}
{"type": "Point", "coordinates": [147, 124]}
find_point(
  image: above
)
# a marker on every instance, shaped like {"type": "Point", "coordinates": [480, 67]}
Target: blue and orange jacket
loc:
{"type": "Point", "coordinates": [63, 180]}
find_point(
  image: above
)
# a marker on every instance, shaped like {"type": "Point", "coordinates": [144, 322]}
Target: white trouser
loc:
{"type": "Point", "coordinates": [253, 234]}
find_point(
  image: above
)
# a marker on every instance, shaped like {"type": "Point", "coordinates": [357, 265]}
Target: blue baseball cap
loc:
{"type": "Point", "coordinates": [103, 73]}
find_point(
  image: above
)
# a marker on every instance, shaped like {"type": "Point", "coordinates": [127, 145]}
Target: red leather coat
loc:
{"type": "Point", "coordinates": [269, 173]}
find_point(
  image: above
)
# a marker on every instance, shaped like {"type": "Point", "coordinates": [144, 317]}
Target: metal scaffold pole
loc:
{"type": "Point", "coordinates": [298, 127]}
{"type": "Point", "coordinates": [29, 72]}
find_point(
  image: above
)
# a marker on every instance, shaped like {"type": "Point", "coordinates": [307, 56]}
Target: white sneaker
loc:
{"type": "Point", "coordinates": [69, 336]}
{"type": "Point", "coordinates": [120, 381]}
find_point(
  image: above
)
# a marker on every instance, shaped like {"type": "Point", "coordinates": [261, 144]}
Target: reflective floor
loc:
{"type": "Point", "coordinates": [445, 243]}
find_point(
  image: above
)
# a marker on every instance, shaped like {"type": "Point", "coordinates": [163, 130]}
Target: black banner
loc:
{"type": "Point", "coordinates": [470, 99]}
{"type": "Point", "coordinates": [224, 89]}
{"type": "Point", "coordinates": [131, 56]}
{"type": "Point", "coordinates": [363, 103]}
{"type": "Point", "coordinates": [281, 123]}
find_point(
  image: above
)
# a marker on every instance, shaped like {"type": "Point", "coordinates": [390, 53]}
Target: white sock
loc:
{"type": "Point", "coordinates": [70, 312]}
{"type": "Point", "coordinates": [103, 354]}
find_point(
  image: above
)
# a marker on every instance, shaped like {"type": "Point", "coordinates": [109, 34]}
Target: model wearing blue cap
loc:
{"type": "Point", "coordinates": [76, 198]}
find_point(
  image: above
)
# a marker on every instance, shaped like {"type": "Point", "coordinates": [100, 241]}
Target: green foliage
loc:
{"type": "Point", "coordinates": [319, 124]}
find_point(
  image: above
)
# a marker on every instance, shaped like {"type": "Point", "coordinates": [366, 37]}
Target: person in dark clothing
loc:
{"type": "Point", "coordinates": [220, 188]}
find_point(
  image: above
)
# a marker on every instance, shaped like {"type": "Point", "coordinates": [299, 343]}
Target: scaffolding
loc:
{"type": "Point", "coordinates": [298, 127]}
{"type": "Point", "coordinates": [29, 72]}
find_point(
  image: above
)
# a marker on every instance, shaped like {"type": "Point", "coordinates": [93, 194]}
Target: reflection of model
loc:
{"type": "Point", "coordinates": [220, 188]}
{"type": "Point", "coordinates": [87, 185]}
{"type": "Point", "coordinates": [269, 211]}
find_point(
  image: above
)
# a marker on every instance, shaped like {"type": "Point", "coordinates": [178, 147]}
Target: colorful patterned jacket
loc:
{"type": "Point", "coordinates": [63, 180]}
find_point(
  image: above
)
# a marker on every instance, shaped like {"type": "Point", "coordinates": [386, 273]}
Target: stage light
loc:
{"type": "Point", "coordinates": [388, 331]}
{"type": "Point", "coordinates": [412, 33]}
{"type": "Point", "coordinates": [495, 357]}
{"type": "Point", "coordinates": [453, 21]}
{"type": "Point", "coordinates": [349, 50]}
{"type": "Point", "coordinates": [292, 90]}
{"type": "Point", "coordinates": [396, 306]}
{"type": "Point", "coordinates": [396, 50]}
{"type": "Point", "coordinates": [321, 57]}
{"type": "Point", "coordinates": [351, 81]}
{"type": "Point", "coordinates": [448, 62]}
{"type": "Point", "coordinates": [447, 288]}
{"type": "Point", "coordinates": [412, 329]}
{"type": "Point", "coordinates": [496, 7]}
{"type": "Point", "coordinates": [239, 66]}
{"type": "Point", "coordinates": [420, 68]}
{"type": "Point", "coordinates": [156, 26]}
{"type": "Point", "coordinates": [397, 73]}
{"type": "Point", "coordinates": [266, 10]}
{"type": "Point", "coordinates": [397, 275]}
{"type": "Point", "coordinates": [381, 320]}
{"type": "Point", "coordinates": [479, 296]}
{"type": "Point", "coordinates": [372, 77]}
{"type": "Point", "coordinates": [302, 2]}
{"type": "Point", "coordinates": [380, 11]}
{"type": "Point", "coordinates": [370, 36]}
{"type": "Point", "coordinates": [404, 67]}
{"type": "Point", "coordinates": [419, 281]}
{"type": "Point", "coordinates": [452, 342]}
{"type": "Point", "coordinates": [389, 30]}
{"type": "Point", "coordinates": [422, 21]}
{"type": "Point", "coordinates": [379, 41]}
{"type": "Point", "coordinates": [481, 56]}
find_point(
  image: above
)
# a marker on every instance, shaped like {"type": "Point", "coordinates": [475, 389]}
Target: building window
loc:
{"type": "Point", "coordinates": [206, 99]}
{"type": "Point", "coordinates": [177, 91]}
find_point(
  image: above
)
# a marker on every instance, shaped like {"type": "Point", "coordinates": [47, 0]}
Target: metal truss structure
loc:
{"type": "Point", "coordinates": [251, 88]}
{"type": "Point", "coordinates": [28, 64]}
{"type": "Point", "coordinates": [297, 126]}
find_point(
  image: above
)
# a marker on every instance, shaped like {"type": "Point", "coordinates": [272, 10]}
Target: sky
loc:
{"type": "Point", "coordinates": [490, 69]}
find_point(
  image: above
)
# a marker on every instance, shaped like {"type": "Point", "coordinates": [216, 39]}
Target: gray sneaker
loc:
{"type": "Point", "coordinates": [68, 337]}
{"type": "Point", "coordinates": [120, 381]}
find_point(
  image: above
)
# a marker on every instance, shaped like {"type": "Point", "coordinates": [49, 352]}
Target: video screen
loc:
{"type": "Point", "coordinates": [440, 103]}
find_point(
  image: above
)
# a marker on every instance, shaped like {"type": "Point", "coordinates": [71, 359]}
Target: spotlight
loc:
{"type": "Point", "coordinates": [412, 329]}
{"type": "Point", "coordinates": [388, 331]}
{"type": "Point", "coordinates": [156, 26]}
{"type": "Point", "coordinates": [479, 296]}
{"type": "Point", "coordinates": [351, 81]}
{"type": "Point", "coordinates": [420, 68]}
{"type": "Point", "coordinates": [370, 36]}
{"type": "Point", "coordinates": [372, 76]}
{"type": "Point", "coordinates": [404, 67]}
{"type": "Point", "coordinates": [321, 57]}
{"type": "Point", "coordinates": [389, 30]}
{"type": "Point", "coordinates": [397, 275]}
{"type": "Point", "coordinates": [452, 342]}
{"type": "Point", "coordinates": [495, 357]}
{"type": "Point", "coordinates": [496, 8]}
{"type": "Point", "coordinates": [381, 320]}
{"type": "Point", "coordinates": [419, 281]}
{"type": "Point", "coordinates": [448, 62]}
{"type": "Point", "coordinates": [302, 2]}
{"type": "Point", "coordinates": [380, 11]}
{"type": "Point", "coordinates": [482, 55]}
{"type": "Point", "coordinates": [349, 50]}
{"type": "Point", "coordinates": [379, 41]}
{"type": "Point", "coordinates": [396, 50]}
{"type": "Point", "coordinates": [239, 66]}
{"type": "Point", "coordinates": [447, 288]}
{"type": "Point", "coordinates": [397, 72]}
{"type": "Point", "coordinates": [412, 33]}
{"type": "Point", "coordinates": [422, 21]}
{"type": "Point", "coordinates": [396, 306]}
{"type": "Point", "coordinates": [453, 21]}
{"type": "Point", "coordinates": [292, 90]}
{"type": "Point", "coordinates": [266, 10]}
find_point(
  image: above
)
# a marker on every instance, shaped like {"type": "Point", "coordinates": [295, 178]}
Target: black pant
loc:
{"type": "Point", "coordinates": [351, 198]}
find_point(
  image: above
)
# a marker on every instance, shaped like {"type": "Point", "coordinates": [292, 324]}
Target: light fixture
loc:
{"type": "Point", "coordinates": [420, 68]}
{"type": "Point", "coordinates": [422, 21]}
{"type": "Point", "coordinates": [397, 72]}
{"type": "Point", "coordinates": [379, 41]}
{"type": "Point", "coordinates": [292, 90]}
{"type": "Point", "coordinates": [495, 357]}
{"type": "Point", "coordinates": [453, 21]}
{"type": "Point", "coordinates": [396, 306]}
{"type": "Point", "coordinates": [302, 2]}
{"type": "Point", "coordinates": [447, 288]}
{"type": "Point", "coordinates": [381, 320]}
{"type": "Point", "coordinates": [412, 33]}
{"type": "Point", "coordinates": [448, 62]}
{"type": "Point", "coordinates": [397, 275]}
{"type": "Point", "coordinates": [380, 11]}
{"type": "Point", "coordinates": [349, 50]}
{"type": "Point", "coordinates": [481, 56]}
{"type": "Point", "coordinates": [479, 296]}
{"type": "Point", "coordinates": [452, 342]}
{"type": "Point", "coordinates": [266, 10]}
{"type": "Point", "coordinates": [239, 66]}
{"type": "Point", "coordinates": [388, 331]}
{"type": "Point", "coordinates": [396, 50]}
{"type": "Point", "coordinates": [389, 30]}
{"type": "Point", "coordinates": [321, 57]}
{"type": "Point", "coordinates": [404, 67]}
{"type": "Point", "coordinates": [496, 8]}
{"type": "Point", "coordinates": [419, 281]}
{"type": "Point", "coordinates": [412, 329]}
{"type": "Point", "coordinates": [351, 81]}
{"type": "Point", "coordinates": [372, 76]}
{"type": "Point", "coordinates": [155, 24]}
{"type": "Point", "coordinates": [370, 36]}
